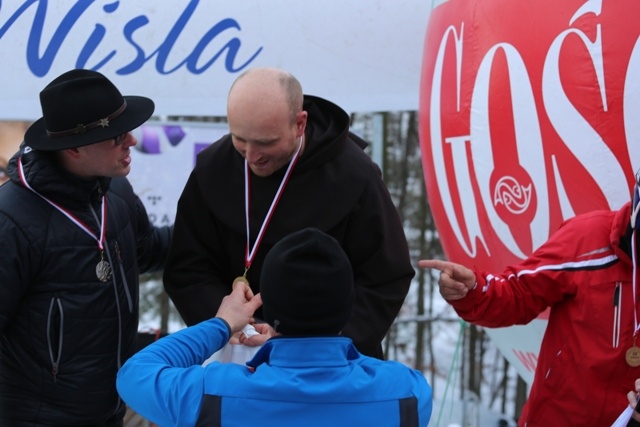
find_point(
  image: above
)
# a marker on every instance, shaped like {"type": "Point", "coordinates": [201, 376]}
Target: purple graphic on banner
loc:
{"type": "Point", "coordinates": [174, 134]}
{"type": "Point", "coordinates": [198, 147]}
{"type": "Point", "coordinates": [150, 141]}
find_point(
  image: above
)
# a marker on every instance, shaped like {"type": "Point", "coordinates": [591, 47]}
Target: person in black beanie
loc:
{"type": "Point", "coordinates": [307, 285]}
{"type": "Point", "coordinates": [306, 373]}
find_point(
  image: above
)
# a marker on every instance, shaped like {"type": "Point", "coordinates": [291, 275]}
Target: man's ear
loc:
{"type": "Point", "coordinates": [301, 122]}
{"type": "Point", "coordinates": [74, 153]}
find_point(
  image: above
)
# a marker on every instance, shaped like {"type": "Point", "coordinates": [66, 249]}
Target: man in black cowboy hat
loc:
{"type": "Point", "coordinates": [74, 239]}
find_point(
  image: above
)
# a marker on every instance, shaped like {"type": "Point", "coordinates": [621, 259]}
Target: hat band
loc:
{"type": "Point", "coordinates": [82, 128]}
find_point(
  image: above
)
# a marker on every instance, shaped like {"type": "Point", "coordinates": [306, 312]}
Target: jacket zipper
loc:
{"type": "Point", "coordinates": [124, 277]}
{"type": "Point", "coordinates": [617, 309]}
{"type": "Point", "coordinates": [115, 292]}
{"type": "Point", "coordinates": [55, 359]}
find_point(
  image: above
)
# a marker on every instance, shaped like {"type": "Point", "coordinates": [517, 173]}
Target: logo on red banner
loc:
{"type": "Point", "coordinates": [529, 115]}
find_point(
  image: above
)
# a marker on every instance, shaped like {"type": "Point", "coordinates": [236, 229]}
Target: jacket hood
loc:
{"type": "Point", "coordinates": [327, 131]}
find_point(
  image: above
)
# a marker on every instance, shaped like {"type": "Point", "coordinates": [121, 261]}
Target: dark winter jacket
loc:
{"type": "Point", "coordinates": [64, 333]}
{"type": "Point", "coordinates": [334, 187]}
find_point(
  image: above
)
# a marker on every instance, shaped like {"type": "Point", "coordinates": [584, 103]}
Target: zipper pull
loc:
{"type": "Point", "coordinates": [117, 248]}
{"type": "Point", "coordinates": [617, 313]}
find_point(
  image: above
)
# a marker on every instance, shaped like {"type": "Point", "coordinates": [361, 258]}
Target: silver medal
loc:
{"type": "Point", "coordinates": [103, 271]}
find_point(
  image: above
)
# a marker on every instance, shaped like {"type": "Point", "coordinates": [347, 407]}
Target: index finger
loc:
{"type": "Point", "coordinates": [435, 263]}
{"type": "Point", "coordinates": [241, 286]}
{"type": "Point", "coordinates": [248, 293]}
{"type": "Point", "coordinates": [255, 301]}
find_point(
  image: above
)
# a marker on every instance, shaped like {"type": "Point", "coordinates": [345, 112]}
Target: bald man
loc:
{"type": "Point", "coordinates": [289, 162]}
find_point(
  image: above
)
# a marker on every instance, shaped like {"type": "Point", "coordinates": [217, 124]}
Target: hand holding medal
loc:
{"type": "Point", "coordinates": [243, 280]}
{"type": "Point", "coordinates": [240, 279]}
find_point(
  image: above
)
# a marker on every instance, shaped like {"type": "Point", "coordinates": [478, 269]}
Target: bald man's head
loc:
{"type": "Point", "coordinates": [268, 86]}
{"type": "Point", "coordinates": [266, 119]}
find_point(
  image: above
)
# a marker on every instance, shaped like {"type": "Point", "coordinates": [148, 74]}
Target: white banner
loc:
{"type": "Point", "coordinates": [162, 161]}
{"type": "Point", "coordinates": [364, 55]}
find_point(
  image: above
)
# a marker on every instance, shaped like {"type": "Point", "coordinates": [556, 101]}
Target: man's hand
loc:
{"type": "Point", "coordinates": [238, 307]}
{"type": "Point", "coordinates": [455, 280]}
{"type": "Point", "coordinates": [240, 281]}
{"type": "Point", "coordinates": [633, 400]}
{"type": "Point", "coordinates": [264, 332]}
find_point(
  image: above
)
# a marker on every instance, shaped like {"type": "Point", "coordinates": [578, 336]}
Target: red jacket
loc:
{"type": "Point", "coordinates": [583, 273]}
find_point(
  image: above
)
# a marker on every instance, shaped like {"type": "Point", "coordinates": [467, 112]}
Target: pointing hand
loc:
{"type": "Point", "coordinates": [455, 279]}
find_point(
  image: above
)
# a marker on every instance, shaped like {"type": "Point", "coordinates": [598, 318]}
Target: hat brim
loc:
{"type": "Point", "coordinates": [139, 110]}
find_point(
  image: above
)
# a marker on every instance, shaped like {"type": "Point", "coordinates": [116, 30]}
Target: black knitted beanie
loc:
{"type": "Point", "coordinates": [307, 285]}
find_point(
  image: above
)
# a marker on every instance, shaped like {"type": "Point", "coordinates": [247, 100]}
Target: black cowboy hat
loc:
{"type": "Point", "coordinates": [82, 107]}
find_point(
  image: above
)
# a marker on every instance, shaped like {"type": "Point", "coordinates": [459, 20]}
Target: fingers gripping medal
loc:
{"type": "Point", "coordinates": [239, 279]}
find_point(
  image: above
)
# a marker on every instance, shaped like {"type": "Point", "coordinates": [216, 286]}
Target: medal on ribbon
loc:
{"type": "Point", "coordinates": [250, 252]}
{"type": "Point", "coordinates": [633, 355]}
{"type": "Point", "coordinates": [103, 268]}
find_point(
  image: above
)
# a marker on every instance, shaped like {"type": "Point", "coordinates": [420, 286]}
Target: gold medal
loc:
{"type": "Point", "coordinates": [633, 356]}
{"type": "Point", "coordinates": [238, 280]}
